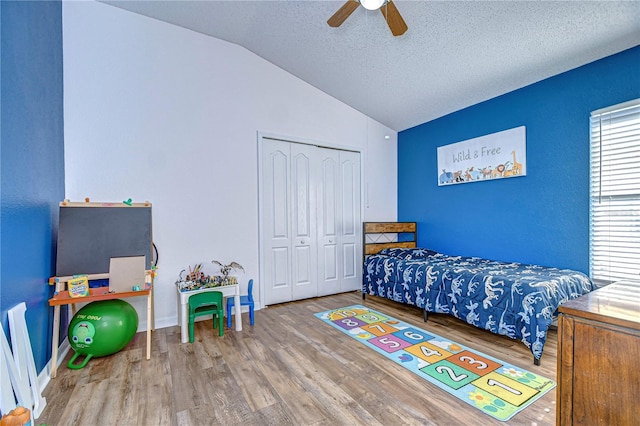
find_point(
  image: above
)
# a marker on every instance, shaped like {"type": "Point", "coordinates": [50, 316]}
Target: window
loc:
{"type": "Point", "coordinates": [614, 217]}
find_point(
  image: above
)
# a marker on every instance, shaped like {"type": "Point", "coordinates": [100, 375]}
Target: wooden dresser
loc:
{"type": "Point", "coordinates": [599, 357]}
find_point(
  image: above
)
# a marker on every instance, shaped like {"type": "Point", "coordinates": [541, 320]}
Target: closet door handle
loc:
{"type": "Point", "coordinates": [330, 241]}
{"type": "Point", "coordinates": [301, 241]}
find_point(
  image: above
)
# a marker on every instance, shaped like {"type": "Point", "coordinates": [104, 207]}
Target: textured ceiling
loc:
{"type": "Point", "coordinates": [455, 53]}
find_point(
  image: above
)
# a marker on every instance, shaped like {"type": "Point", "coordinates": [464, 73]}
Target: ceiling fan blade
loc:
{"type": "Point", "coordinates": [393, 18]}
{"type": "Point", "coordinates": [343, 13]}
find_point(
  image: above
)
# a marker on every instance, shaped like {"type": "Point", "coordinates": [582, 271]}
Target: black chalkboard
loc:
{"type": "Point", "coordinates": [89, 236]}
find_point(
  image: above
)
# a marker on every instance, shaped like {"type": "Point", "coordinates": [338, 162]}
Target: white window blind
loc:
{"type": "Point", "coordinates": [614, 235]}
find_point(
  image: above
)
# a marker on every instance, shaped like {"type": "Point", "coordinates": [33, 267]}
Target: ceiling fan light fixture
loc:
{"type": "Point", "coordinates": [372, 4]}
{"type": "Point", "coordinates": [387, 7]}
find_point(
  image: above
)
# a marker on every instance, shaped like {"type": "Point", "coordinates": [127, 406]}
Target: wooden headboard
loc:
{"type": "Point", "coordinates": [374, 244]}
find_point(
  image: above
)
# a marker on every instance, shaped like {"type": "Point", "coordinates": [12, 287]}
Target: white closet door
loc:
{"type": "Point", "coordinates": [328, 222]}
{"type": "Point", "coordinates": [311, 226]}
{"type": "Point", "coordinates": [350, 237]}
{"type": "Point", "coordinates": [276, 221]}
{"type": "Point", "coordinates": [304, 175]}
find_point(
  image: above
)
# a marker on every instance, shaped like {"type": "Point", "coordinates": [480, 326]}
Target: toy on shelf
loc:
{"type": "Point", "coordinates": [148, 280]}
{"type": "Point", "coordinates": [196, 279]}
{"type": "Point", "coordinates": [226, 269]}
{"type": "Point", "coordinates": [78, 286]}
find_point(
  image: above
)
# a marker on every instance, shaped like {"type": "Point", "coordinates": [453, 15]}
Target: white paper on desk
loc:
{"type": "Point", "coordinates": [126, 272]}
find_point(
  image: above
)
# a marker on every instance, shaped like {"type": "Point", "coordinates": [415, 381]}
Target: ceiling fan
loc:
{"type": "Point", "coordinates": [388, 9]}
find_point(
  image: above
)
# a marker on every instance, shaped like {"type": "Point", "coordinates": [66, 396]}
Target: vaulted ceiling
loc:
{"type": "Point", "coordinates": [454, 54]}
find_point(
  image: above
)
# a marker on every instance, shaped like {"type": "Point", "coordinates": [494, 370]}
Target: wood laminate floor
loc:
{"type": "Point", "coordinates": [288, 369]}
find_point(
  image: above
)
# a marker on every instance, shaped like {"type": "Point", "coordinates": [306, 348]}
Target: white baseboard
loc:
{"type": "Point", "coordinates": [45, 375]}
{"type": "Point", "coordinates": [173, 320]}
{"type": "Point", "coordinates": [161, 323]}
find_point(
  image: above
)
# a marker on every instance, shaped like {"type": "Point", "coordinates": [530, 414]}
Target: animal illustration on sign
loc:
{"type": "Point", "coordinates": [493, 156]}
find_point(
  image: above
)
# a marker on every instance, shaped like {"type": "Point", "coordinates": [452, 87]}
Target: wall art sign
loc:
{"type": "Point", "coordinates": [495, 156]}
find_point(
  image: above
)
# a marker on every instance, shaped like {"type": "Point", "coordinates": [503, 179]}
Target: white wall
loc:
{"type": "Point", "coordinates": [159, 113]}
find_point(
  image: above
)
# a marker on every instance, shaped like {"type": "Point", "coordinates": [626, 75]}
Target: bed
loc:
{"type": "Point", "coordinates": [512, 299]}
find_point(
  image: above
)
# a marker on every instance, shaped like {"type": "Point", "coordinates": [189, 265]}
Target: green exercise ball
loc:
{"type": "Point", "coordinates": [101, 328]}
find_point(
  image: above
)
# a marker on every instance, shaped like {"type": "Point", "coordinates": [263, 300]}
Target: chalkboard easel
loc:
{"type": "Point", "coordinates": [90, 234]}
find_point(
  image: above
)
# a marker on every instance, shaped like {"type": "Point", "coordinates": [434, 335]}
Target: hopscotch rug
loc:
{"type": "Point", "coordinates": [495, 387]}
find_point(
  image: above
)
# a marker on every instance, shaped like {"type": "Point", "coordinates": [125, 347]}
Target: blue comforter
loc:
{"type": "Point", "coordinates": [511, 299]}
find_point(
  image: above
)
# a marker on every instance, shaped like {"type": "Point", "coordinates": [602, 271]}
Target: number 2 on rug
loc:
{"type": "Point", "coordinates": [456, 378]}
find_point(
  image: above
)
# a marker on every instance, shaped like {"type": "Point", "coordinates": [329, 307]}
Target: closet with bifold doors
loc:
{"type": "Point", "coordinates": [310, 214]}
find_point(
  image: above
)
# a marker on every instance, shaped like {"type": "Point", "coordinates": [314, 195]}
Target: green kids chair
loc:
{"type": "Point", "coordinates": [244, 301]}
{"type": "Point", "coordinates": [204, 304]}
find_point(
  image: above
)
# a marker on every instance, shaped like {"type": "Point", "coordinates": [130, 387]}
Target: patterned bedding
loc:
{"type": "Point", "coordinates": [511, 299]}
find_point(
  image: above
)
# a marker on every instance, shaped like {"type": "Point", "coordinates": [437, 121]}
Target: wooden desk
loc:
{"type": "Point", "coordinates": [101, 293]}
{"type": "Point", "coordinates": [599, 357]}
{"type": "Point", "coordinates": [183, 298]}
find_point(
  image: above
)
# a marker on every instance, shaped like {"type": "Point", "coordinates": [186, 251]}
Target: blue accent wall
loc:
{"type": "Point", "coordinates": [541, 218]}
{"type": "Point", "coordinates": [32, 161]}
